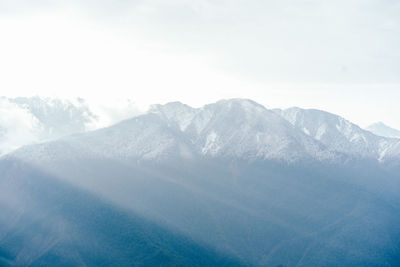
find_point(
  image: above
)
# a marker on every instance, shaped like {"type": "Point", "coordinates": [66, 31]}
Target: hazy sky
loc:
{"type": "Point", "coordinates": [339, 55]}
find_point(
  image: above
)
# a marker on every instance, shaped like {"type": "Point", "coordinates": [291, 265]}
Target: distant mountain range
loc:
{"type": "Point", "coordinates": [230, 183]}
{"type": "Point", "coordinates": [382, 129]}
{"type": "Point", "coordinates": [37, 119]}
{"type": "Point", "coordinates": [340, 135]}
{"type": "Point", "coordinates": [236, 128]}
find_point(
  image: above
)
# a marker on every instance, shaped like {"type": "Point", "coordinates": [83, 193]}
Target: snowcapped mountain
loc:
{"type": "Point", "coordinates": [340, 135]}
{"type": "Point", "coordinates": [382, 129]}
{"type": "Point", "coordinates": [266, 187]}
{"type": "Point", "coordinates": [234, 128]}
{"type": "Point", "coordinates": [239, 128]}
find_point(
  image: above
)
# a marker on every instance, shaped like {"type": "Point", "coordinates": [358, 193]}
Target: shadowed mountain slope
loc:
{"type": "Point", "coordinates": [45, 222]}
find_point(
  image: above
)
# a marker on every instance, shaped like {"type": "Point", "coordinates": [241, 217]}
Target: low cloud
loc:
{"type": "Point", "coordinates": [18, 126]}
{"type": "Point", "coordinates": [28, 120]}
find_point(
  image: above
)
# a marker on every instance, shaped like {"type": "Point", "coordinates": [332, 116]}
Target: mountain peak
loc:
{"type": "Point", "coordinates": [239, 101]}
{"type": "Point", "coordinates": [381, 129]}
{"type": "Point", "coordinates": [175, 113]}
{"type": "Point", "coordinates": [169, 106]}
{"type": "Point", "coordinates": [242, 103]}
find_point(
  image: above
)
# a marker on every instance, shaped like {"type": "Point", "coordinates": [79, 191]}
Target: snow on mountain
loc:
{"type": "Point", "coordinates": [392, 153]}
{"type": "Point", "coordinates": [339, 134]}
{"type": "Point", "coordinates": [144, 137]}
{"type": "Point", "coordinates": [175, 113]}
{"type": "Point", "coordinates": [382, 129]}
{"type": "Point", "coordinates": [234, 128]}
{"type": "Point", "coordinates": [240, 128]}
{"type": "Point", "coordinates": [174, 166]}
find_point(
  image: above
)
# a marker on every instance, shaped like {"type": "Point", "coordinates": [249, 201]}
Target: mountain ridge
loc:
{"type": "Point", "coordinates": [381, 129]}
{"type": "Point", "coordinates": [244, 128]}
{"type": "Point", "coordinates": [236, 177]}
{"type": "Point", "coordinates": [339, 134]}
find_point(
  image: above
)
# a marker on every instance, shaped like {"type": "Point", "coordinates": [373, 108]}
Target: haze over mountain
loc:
{"type": "Point", "coordinates": [27, 120]}
{"type": "Point", "coordinates": [247, 184]}
{"type": "Point", "coordinates": [379, 128]}
{"type": "Point", "coordinates": [124, 176]}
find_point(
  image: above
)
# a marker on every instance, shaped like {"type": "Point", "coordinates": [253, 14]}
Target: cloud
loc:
{"type": "Point", "coordinates": [198, 51]}
{"type": "Point", "coordinates": [25, 121]}
{"type": "Point", "coordinates": [112, 111]}
{"type": "Point", "coordinates": [18, 127]}
{"type": "Point", "coordinates": [270, 41]}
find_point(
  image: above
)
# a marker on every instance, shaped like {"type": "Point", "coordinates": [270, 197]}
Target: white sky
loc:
{"type": "Point", "coordinates": [340, 56]}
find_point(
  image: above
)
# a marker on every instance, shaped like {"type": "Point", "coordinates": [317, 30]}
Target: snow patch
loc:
{"type": "Point", "coordinates": [320, 132]}
{"type": "Point", "coordinates": [211, 146]}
